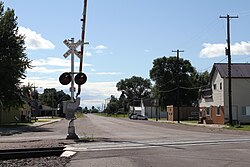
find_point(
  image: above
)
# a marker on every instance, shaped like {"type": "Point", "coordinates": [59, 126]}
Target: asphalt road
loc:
{"type": "Point", "coordinates": [135, 143]}
{"type": "Point", "coordinates": [130, 143]}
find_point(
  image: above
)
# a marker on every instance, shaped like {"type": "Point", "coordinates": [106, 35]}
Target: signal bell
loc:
{"type": "Point", "coordinates": [65, 78]}
{"type": "Point", "coordinates": [80, 78]}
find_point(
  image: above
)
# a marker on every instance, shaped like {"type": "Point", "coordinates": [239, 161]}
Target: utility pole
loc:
{"type": "Point", "coordinates": [178, 83]}
{"type": "Point", "coordinates": [228, 53]}
{"type": "Point", "coordinates": [83, 40]}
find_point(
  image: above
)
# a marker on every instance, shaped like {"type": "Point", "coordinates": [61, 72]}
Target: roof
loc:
{"type": "Point", "coordinates": [238, 70]}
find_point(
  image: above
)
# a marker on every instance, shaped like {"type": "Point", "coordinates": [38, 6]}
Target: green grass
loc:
{"type": "Point", "coordinates": [241, 127]}
{"type": "Point", "coordinates": [43, 120]}
{"type": "Point", "coordinates": [79, 115]}
{"type": "Point", "coordinates": [191, 121]}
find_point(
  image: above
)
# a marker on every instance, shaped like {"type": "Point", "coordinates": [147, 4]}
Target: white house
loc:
{"type": "Point", "coordinates": [214, 98]}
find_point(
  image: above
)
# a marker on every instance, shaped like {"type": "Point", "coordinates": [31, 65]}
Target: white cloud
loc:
{"type": "Point", "coordinates": [108, 73]}
{"type": "Point", "coordinates": [216, 50]}
{"type": "Point", "coordinates": [87, 53]}
{"type": "Point", "coordinates": [34, 40]}
{"type": "Point", "coordinates": [99, 47]}
{"type": "Point", "coordinates": [242, 48]}
{"type": "Point", "coordinates": [212, 50]}
{"type": "Point", "coordinates": [41, 65]}
{"type": "Point", "coordinates": [52, 61]}
{"type": "Point", "coordinates": [100, 89]}
{"type": "Point", "coordinates": [92, 94]}
{"type": "Point", "coordinates": [45, 70]}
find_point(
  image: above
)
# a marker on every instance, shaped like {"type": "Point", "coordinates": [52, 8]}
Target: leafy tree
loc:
{"type": "Point", "coordinates": [13, 60]}
{"type": "Point", "coordinates": [85, 110]}
{"type": "Point", "coordinates": [201, 79]}
{"type": "Point", "coordinates": [134, 87]}
{"type": "Point", "coordinates": [94, 110]}
{"type": "Point", "coordinates": [164, 73]}
{"type": "Point", "coordinates": [52, 98]}
{"type": "Point", "coordinates": [112, 106]}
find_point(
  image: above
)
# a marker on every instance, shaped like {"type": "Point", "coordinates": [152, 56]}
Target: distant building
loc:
{"type": "Point", "coordinates": [147, 108]}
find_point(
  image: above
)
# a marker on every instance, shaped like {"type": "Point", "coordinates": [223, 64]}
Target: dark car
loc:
{"type": "Point", "coordinates": [138, 117]}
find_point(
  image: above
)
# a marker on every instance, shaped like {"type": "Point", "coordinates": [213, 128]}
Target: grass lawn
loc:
{"type": "Point", "coordinates": [241, 127]}
{"type": "Point", "coordinates": [22, 124]}
{"type": "Point", "coordinates": [191, 121]}
{"type": "Point", "coordinates": [79, 115]}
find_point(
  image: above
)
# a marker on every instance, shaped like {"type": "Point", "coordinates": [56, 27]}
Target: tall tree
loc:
{"type": "Point", "coordinates": [52, 98]}
{"type": "Point", "coordinates": [134, 87]}
{"type": "Point", "coordinates": [113, 105]}
{"type": "Point", "coordinates": [164, 73]}
{"type": "Point", "coordinates": [13, 60]}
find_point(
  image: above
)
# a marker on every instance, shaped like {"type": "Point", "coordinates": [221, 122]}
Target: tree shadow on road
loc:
{"type": "Point", "coordinates": [21, 129]}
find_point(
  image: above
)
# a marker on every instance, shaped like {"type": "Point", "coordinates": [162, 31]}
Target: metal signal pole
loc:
{"type": "Point", "coordinates": [178, 83]}
{"type": "Point", "coordinates": [228, 53]}
{"type": "Point", "coordinates": [82, 44]}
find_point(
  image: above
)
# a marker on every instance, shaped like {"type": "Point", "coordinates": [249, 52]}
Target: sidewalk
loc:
{"type": "Point", "coordinates": [194, 124]}
{"type": "Point", "coordinates": [17, 130]}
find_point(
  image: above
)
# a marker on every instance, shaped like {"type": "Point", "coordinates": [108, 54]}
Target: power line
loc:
{"type": "Point", "coordinates": [204, 69]}
{"type": "Point", "coordinates": [168, 91]}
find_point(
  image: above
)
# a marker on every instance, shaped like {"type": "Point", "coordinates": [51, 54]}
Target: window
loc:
{"type": "Point", "coordinates": [220, 86]}
{"type": "Point", "coordinates": [208, 109]}
{"type": "Point", "coordinates": [246, 110]}
{"type": "Point", "coordinates": [218, 111]}
{"type": "Point", "coordinates": [214, 86]}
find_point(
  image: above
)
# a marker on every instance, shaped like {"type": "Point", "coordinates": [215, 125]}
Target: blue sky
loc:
{"type": "Point", "coordinates": [125, 37]}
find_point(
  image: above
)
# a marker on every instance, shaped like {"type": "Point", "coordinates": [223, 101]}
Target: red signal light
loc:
{"type": "Point", "coordinates": [80, 78]}
{"type": "Point", "coordinates": [65, 78]}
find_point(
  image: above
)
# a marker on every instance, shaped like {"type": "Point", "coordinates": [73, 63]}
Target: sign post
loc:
{"type": "Point", "coordinates": [72, 105]}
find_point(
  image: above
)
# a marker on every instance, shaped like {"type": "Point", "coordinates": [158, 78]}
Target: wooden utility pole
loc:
{"type": "Point", "coordinates": [228, 53]}
{"type": "Point", "coordinates": [178, 83]}
{"type": "Point", "coordinates": [83, 40]}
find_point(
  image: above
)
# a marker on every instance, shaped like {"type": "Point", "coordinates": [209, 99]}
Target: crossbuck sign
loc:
{"type": "Point", "coordinates": [72, 48]}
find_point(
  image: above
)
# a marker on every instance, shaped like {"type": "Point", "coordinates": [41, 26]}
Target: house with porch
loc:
{"type": "Point", "coordinates": [213, 100]}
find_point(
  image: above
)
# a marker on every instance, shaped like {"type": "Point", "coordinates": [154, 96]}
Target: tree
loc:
{"type": "Point", "coordinates": [13, 60]}
{"type": "Point", "coordinates": [134, 87]}
{"type": "Point", "coordinates": [112, 106]}
{"type": "Point", "coordinates": [201, 79]}
{"type": "Point", "coordinates": [85, 110]}
{"type": "Point", "coordinates": [52, 98]}
{"type": "Point", "coordinates": [94, 110]}
{"type": "Point", "coordinates": [164, 73]}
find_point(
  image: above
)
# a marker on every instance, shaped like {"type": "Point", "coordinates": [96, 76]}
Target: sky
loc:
{"type": "Point", "coordinates": [125, 36]}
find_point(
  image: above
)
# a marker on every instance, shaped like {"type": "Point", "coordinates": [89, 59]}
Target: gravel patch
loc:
{"type": "Point", "coordinates": [53, 161]}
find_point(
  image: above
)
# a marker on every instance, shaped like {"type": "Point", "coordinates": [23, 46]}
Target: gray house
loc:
{"type": "Point", "coordinates": [213, 100]}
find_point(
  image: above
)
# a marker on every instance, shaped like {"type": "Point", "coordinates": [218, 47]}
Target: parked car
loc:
{"type": "Point", "coordinates": [138, 117]}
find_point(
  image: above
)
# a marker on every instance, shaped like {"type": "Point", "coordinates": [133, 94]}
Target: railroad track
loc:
{"type": "Point", "coordinates": [30, 153]}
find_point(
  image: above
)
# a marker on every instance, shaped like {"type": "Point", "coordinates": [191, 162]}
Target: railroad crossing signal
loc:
{"type": "Point", "coordinates": [72, 48]}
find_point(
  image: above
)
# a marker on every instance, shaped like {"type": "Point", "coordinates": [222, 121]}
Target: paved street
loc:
{"type": "Point", "coordinates": [134, 143]}
{"type": "Point", "coordinates": [125, 143]}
